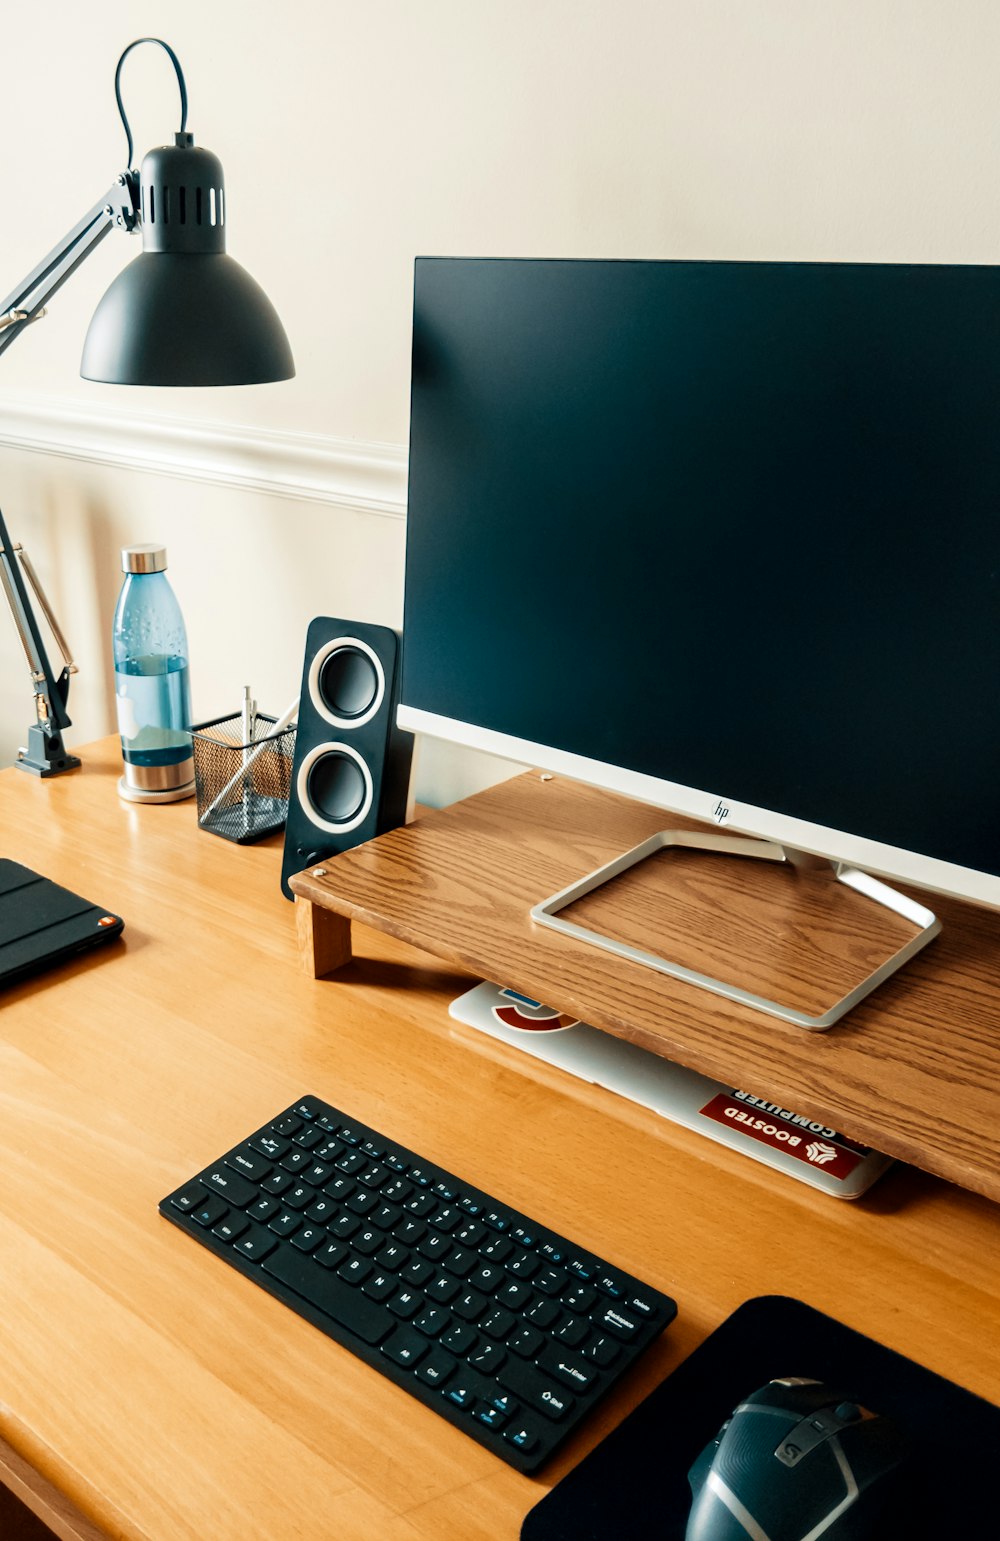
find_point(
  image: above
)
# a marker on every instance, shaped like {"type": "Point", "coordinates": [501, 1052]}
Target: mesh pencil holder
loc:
{"type": "Point", "coordinates": [242, 785]}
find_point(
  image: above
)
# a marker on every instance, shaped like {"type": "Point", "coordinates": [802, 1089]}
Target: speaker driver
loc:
{"type": "Point", "coordinates": [335, 788]}
{"type": "Point", "coordinates": [347, 682]}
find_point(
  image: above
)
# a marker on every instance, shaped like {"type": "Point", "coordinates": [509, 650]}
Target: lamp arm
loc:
{"type": "Point", "coordinates": [119, 208]}
{"type": "Point", "coordinates": [51, 692]}
{"type": "Point", "coordinates": [45, 754]}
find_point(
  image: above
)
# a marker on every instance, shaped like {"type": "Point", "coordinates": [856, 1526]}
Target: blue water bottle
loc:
{"type": "Point", "coordinates": [152, 692]}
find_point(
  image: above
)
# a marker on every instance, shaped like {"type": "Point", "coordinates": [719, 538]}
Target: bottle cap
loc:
{"type": "Point", "coordinates": [144, 559]}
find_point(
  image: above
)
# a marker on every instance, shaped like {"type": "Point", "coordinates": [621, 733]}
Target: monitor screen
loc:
{"type": "Point", "coordinates": [721, 535]}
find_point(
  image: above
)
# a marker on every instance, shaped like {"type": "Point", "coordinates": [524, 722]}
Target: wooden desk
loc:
{"type": "Point", "coordinates": [148, 1392]}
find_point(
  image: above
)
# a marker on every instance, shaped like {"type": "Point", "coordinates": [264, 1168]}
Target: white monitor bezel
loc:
{"type": "Point", "coordinates": [718, 808]}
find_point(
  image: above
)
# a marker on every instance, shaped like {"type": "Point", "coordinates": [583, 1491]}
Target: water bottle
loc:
{"type": "Point", "coordinates": [152, 692]}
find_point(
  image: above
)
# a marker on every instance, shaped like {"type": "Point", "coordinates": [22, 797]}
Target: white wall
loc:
{"type": "Point", "coordinates": [356, 135]}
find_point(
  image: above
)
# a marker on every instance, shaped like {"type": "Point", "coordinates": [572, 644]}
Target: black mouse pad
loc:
{"type": "Point", "coordinates": [634, 1484]}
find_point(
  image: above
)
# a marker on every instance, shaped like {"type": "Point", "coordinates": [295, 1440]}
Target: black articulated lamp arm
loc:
{"type": "Point", "coordinates": [44, 754]}
{"type": "Point", "coordinates": [117, 209]}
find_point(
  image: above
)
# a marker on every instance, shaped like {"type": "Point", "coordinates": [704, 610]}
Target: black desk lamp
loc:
{"type": "Point", "coordinates": [182, 313]}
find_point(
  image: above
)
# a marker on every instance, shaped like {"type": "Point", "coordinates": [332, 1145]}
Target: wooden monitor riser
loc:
{"type": "Point", "coordinates": [913, 1070]}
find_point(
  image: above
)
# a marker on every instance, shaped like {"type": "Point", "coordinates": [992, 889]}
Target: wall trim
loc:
{"type": "Point", "coordinates": [347, 472]}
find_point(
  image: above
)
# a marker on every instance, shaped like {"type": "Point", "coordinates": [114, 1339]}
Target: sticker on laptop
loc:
{"type": "Point", "coordinates": [528, 1016]}
{"type": "Point", "coordinates": [778, 1127]}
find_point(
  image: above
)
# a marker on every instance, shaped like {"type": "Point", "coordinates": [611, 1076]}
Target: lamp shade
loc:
{"type": "Point", "coordinates": [184, 312]}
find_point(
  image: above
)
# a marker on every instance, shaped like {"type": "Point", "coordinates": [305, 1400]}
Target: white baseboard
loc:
{"type": "Point", "coordinates": [346, 472]}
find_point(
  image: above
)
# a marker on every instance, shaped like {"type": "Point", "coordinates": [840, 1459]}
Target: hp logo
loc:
{"type": "Point", "coordinates": [720, 812]}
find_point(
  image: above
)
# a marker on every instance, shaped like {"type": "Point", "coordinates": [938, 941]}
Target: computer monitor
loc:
{"type": "Point", "coordinates": [724, 536]}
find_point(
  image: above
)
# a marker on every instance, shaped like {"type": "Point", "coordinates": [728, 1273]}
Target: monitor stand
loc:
{"type": "Point", "coordinates": [548, 914]}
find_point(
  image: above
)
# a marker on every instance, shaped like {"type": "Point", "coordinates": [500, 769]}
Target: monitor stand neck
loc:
{"type": "Point", "coordinates": [548, 914]}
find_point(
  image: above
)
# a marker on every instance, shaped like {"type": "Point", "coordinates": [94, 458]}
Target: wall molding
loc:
{"type": "Point", "coordinates": [346, 472]}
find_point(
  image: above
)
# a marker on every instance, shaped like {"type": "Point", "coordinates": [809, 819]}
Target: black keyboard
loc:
{"type": "Point", "coordinates": [508, 1330]}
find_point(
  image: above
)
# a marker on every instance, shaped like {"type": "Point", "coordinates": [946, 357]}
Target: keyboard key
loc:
{"type": "Point", "coordinates": [276, 1183]}
{"type": "Point", "coordinates": [354, 1270]}
{"type": "Point", "coordinates": [256, 1243]}
{"type": "Point", "coordinates": [459, 1338]}
{"type": "Point", "coordinates": [417, 1272]}
{"type": "Point", "coordinates": [535, 1390]}
{"type": "Point", "coordinates": [603, 1351]}
{"type": "Point", "coordinates": [515, 1295]}
{"type": "Point", "coordinates": [213, 1209]}
{"type": "Point", "coordinates": [380, 1286]}
{"type": "Point", "coordinates": [191, 1196]}
{"type": "Point", "coordinates": [487, 1357]}
{"type": "Point", "coordinates": [498, 1323]}
{"type": "Point", "coordinates": [322, 1210]}
{"type": "Point", "coordinates": [299, 1196]}
{"type": "Point", "coordinates": [573, 1332]}
{"type": "Point", "coordinates": [264, 1208]}
{"type": "Point", "coordinates": [331, 1253]}
{"type": "Point", "coordinates": [393, 1256]}
{"type": "Point", "coordinates": [526, 1342]}
{"type": "Point", "coordinates": [405, 1347]}
{"type": "Point", "coordinates": [308, 1238]}
{"type": "Point", "coordinates": [568, 1368]}
{"type": "Point", "coordinates": [469, 1305]}
{"type": "Point", "coordinates": [405, 1304]}
{"type": "Point", "coordinates": [579, 1297]}
{"type": "Point", "coordinates": [248, 1164]}
{"type": "Point", "coordinates": [543, 1312]}
{"type": "Point", "coordinates": [432, 1320]}
{"type": "Point", "coordinates": [231, 1227]}
{"type": "Point", "coordinates": [284, 1224]}
{"type": "Point", "coordinates": [437, 1368]}
{"type": "Point", "coordinates": [486, 1277]}
{"type": "Point", "coordinates": [236, 1191]}
{"type": "Point", "coordinates": [443, 1289]}
{"type": "Point", "coordinates": [365, 1318]}
{"type": "Point", "coordinates": [551, 1280]}
{"type": "Point", "coordinates": [270, 1145]}
{"type": "Point", "coordinates": [617, 1320]}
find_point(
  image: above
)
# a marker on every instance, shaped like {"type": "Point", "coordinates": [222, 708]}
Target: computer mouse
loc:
{"type": "Point", "coordinates": [797, 1460]}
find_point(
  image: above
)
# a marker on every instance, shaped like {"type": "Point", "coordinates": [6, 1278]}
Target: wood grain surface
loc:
{"type": "Point", "coordinates": [913, 1071]}
{"type": "Point", "coordinates": [162, 1396]}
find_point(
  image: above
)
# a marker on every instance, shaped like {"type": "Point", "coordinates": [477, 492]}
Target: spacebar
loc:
{"type": "Point", "coordinates": [343, 1302]}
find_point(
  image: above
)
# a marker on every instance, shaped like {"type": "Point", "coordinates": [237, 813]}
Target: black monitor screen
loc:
{"type": "Point", "coordinates": [736, 525]}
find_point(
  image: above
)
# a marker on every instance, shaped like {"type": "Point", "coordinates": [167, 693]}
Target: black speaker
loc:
{"type": "Point", "coordinates": [351, 772]}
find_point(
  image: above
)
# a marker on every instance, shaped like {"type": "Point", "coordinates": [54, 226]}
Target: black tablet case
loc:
{"type": "Point", "coordinates": [42, 924]}
{"type": "Point", "coordinates": [634, 1484]}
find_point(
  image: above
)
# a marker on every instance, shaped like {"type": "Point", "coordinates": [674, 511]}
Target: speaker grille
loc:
{"type": "Point", "coordinates": [335, 788]}
{"type": "Point", "coordinates": [347, 682]}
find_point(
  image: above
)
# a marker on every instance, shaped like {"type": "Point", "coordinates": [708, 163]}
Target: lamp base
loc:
{"type": "Point", "coordinates": [45, 754]}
